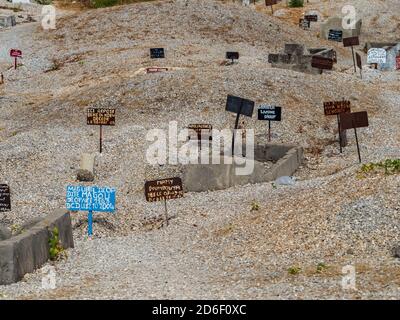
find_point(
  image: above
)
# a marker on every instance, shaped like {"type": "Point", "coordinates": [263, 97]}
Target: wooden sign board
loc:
{"type": "Point", "coordinates": [311, 17]}
{"type": "Point", "coordinates": [305, 24]}
{"type": "Point", "coordinates": [239, 106]}
{"type": "Point", "coordinates": [232, 55]}
{"type": "Point", "coordinates": [354, 120]}
{"type": "Point", "coordinates": [322, 63]}
{"type": "Point", "coordinates": [336, 107]}
{"type": "Point", "coordinates": [271, 2]}
{"type": "Point", "coordinates": [5, 198]}
{"type": "Point", "coordinates": [155, 69]}
{"type": "Point", "coordinates": [101, 116]}
{"type": "Point", "coordinates": [270, 113]}
{"type": "Point", "coordinates": [359, 61]}
{"type": "Point", "coordinates": [157, 53]}
{"type": "Point", "coordinates": [15, 53]}
{"type": "Point", "coordinates": [376, 55]}
{"type": "Point", "coordinates": [335, 35]}
{"type": "Point", "coordinates": [352, 41]}
{"type": "Point", "coordinates": [398, 63]}
{"type": "Point", "coordinates": [164, 189]}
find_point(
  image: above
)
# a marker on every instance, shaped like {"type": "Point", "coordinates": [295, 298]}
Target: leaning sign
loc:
{"type": "Point", "coordinates": [376, 55]}
{"type": "Point", "coordinates": [91, 199]}
{"type": "Point", "coordinates": [163, 190]}
{"type": "Point", "coordinates": [5, 198]}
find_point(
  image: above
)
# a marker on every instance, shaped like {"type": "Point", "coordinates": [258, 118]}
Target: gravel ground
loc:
{"type": "Point", "coordinates": [96, 58]}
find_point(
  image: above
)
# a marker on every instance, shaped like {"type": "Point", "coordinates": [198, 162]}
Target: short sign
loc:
{"type": "Point", "coordinates": [270, 113]}
{"type": "Point", "coordinates": [354, 120]}
{"type": "Point", "coordinates": [157, 53]}
{"type": "Point", "coordinates": [270, 2]}
{"type": "Point", "coordinates": [376, 55]}
{"type": "Point", "coordinates": [164, 189]}
{"type": "Point", "coordinates": [335, 35]}
{"type": "Point", "coordinates": [311, 17]}
{"type": "Point", "coordinates": [351, 41]}
{"type": "Point", "coordinates": [5, 198]}
{"type": "Point", "coordinates": [398, 63]}
{"type": "Point", "coordinates": [201, 129]}
{"type": "Point", "coordinates": [322, 63]}
{"type": "Point", "coordinates": [232, 55]}
{"type": "Point", "coordinates": [101, 116]}
{"type": "Point", "coordinates": [336, 107]}
{"type": "Point", "coordinates": [305, 24]}
{"type": "Point", "coordinates": [98, 199]}
{"type": "Point", "coordinates": [240, 106]}
{"type": "Point", "coordinates": [15, 53]}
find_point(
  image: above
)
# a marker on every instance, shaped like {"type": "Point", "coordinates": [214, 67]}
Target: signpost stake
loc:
{"type": "Point", "coordinates": [340, 134]}
{"type": "Point", "coordinates": [15, 63]}
{"type": "Point", "coordinates": [354, 60]}
{"type": "Point", "coordinates": [166, 212]}
{"type": "Point", "coordinates": [269, 130]}
{"type": "Point", "coordinates": [358, 146]}
{"type": "Point", "coordinates": [90, 223]}
{"type": "Point", "coordinates": [236, 126]}
{"type": "Point", "coordinates": [101, 138]}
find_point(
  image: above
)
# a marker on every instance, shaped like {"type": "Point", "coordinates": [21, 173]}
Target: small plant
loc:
{"type": "Point", "coordinates": [389, 166]}
{"type": "Point", "coordinates": [16, 229]}
{"type": "Point", "coordinates": [294, 270]}
{"type": "Point", "coordinates": [56, 250]}
{"type": "Point", "coordinates": [321, 267]}
{"type": "Point", "coordinates": [296, 3]}
{"type": "Point", "coordinates": [255, 206]}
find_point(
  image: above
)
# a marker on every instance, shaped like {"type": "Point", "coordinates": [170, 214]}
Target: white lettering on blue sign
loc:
{"type": "Point", "coordinates": [98, 199]}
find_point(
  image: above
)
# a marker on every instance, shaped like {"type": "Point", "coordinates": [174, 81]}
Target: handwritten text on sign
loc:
{"type": "Point", "coordinates": [336, 107]}
{"type": "Point", "coordinates": [100, 116]}
{"type": "Point", "coordinates": [5, 198]}
{"type": "Point", "coordinates": [271, 113]}
{"type": "Point", "coordinates": [99, 199]}
{"type": "Point", "coordinates": [376, 55]}
{"type": "Point", "coordinates": [15, 53]}
{"type": "Point", "coordinates": [164, 189]}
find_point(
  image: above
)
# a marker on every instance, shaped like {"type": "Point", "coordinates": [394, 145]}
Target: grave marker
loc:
{"type": "Point", "coordinates": [232, 55]}
{"type": "Point", "coordinates": [239, 106]}
{"type": "Point", "coordinates": [322, 63]}
{"type": "Point", "coordinates": [335, 35]}
{"type": "Point", "coordinates": [101, 117]}
{"type": "Point", "coordinates": [351, 42]}
{"type": "Point", "coordinates": [5, 198]}
{"type": "Point", "coordinates": [311, 17]}
{"type": "Point", "coordinates": [354, 120]}
{"type": "Point", "coordinates": [15, 53]}
{"type": "Point", "coordinates": [376, 55]}
{"type": "Point", "coordinates": [157, 53]}
{"type": "Point", "coordinates": [269, 113]}
{"type": "Point", "coordinates": [201, 130]}
{"type": "Point", "coordinates": [332, 108]}
{"type": "Point", "coordinates": [305, 24]}
{"type": "Point", "coordinates": [163, 190]}
{"type": "Point", "coordinates": [359, 63]}
{"type": "Point", "coordinates": [398, 63]}
{"type": "Point", "coordinates": [91, 199]}
{"type": "Point", "coordinates": [271, 3]}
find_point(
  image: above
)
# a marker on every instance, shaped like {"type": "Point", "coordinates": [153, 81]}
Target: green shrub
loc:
{"type": "Point", "coordinates": [296, 3]}
{"type": "Point", "coordinates": [56, 250]}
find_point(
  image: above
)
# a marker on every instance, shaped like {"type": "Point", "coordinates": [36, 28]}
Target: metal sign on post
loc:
{"type": "Point", "coordinates": [101, 117]}
{"type": "Point", "coordinates": [157, 53]}
{"type": "Point", "coordinates": [335, 35]}
{"type": "Point", "coordinates": [271, 3]}
{"type": "Point", "coordinates": [353, 121]}
{"type": "Point", "coordinates": [163, 190]}
{"type": "Point", "coordinates": [91, 199]}
{"type": "Point", "coordinates": [376, 55]}
{"type": "Point", "coordinates": [15, 53]}
{"type": "Point", "coordinates": [232, 55]}
{"type": "Point", "coordinates": [336, 108]}
{"type": "Point", "coordinates": [311, 17]}
{"type": "Point", "coordinates": [5, 198]}
{"type": "Point", "coordinates": [269, 113]}
{"type": "Point", "coordinates": [239, 106]}
{"type": "Point", "coordinates": [351, 42]}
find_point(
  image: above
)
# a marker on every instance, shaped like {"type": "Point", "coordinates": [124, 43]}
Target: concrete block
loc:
{"type": "Point", "coordinates": [294, 49]}
{"type": "Point", "coordinates": [86, 167]}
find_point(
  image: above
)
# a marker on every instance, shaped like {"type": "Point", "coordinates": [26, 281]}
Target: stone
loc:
{"type": "Point", "coordinates": [285, 181]}
{"type": "Point", "coordinates": [85, 175]}
{"type": "Point", "coordinates": [5, 233]}
{"type": "Point", "coordinates": [7, 21]}
{"type": "Point", "coordinates": [396, 252]}
{"type": "Point", "coordinates": [86, 168]}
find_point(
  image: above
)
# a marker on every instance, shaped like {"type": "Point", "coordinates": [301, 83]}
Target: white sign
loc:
{"type": "Point", "coordinates": [376, 55]}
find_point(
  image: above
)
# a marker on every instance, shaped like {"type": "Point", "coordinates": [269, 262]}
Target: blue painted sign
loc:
{"type": "Point", "coordinates": [81, 198]}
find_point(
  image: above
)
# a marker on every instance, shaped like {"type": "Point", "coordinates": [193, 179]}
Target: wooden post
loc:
{"type": "Point", "coordinates": [166, 212]}
{"type": "Point", "coordinates": [340, 134]}
{"type": "Point", "coordinates": [358, 146]}
{"type": "Point", "coordinates": [269, 130]}
{"type": "Point", "coordinates": [354, 59]}
{"type": "Point", "coordinates": [236, 126]}
{"type": "Point", "coordinates": [101, 138]}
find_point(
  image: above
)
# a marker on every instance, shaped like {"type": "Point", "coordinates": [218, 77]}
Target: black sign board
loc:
{"type": "Point", "coordinates": [232, 55]}
{"type": "Point", "coordinates": [335, 35]}
{"type": "Point", "coordinates": [311, 17]}
{"type": "Point", "coordinates": [240, 106]}
{"type": "Point", "coordinates": [352, 41]}
{"type": "Point", "coordinates": [270, 113]}
{"type": "Point", "coordinates": [354, 120]}
{"type": "Point", "coordinates": [5, 198]}
{"type": "Point", "coordinates": [157, 53]}
{"type": "Point", "coordinates": [322, 63]}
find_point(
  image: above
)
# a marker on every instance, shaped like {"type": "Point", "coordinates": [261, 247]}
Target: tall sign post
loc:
{"type": "Point", "coordinates": [269, 113]}
{"type": "Point", "coordinates": [351, 42]}
{"type": "Point", "coordinates": [353, 121]}
{"type": "Point", "coordinates": [239, 106]}
{"type": "Point", "coordinates": [101, 117]}
{"type": "Point", "coordinates": [163, 190]}
{"type": "Point", "coordinates": [15, 53]}
{"type": "Point", "coordinates": [90, 199]}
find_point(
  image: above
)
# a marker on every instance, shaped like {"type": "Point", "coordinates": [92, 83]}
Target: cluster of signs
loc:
{"type": "Point", "coordinates": [5, 198]}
